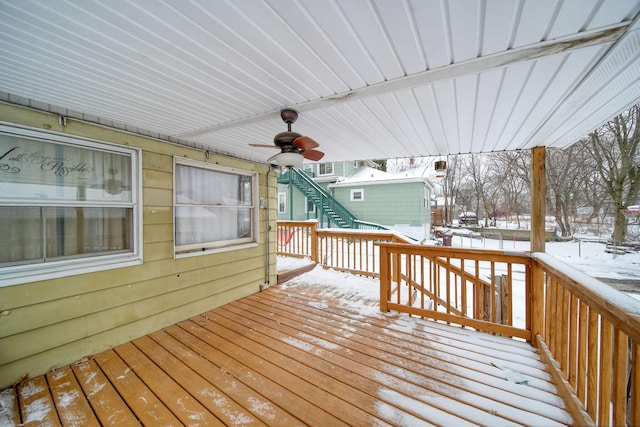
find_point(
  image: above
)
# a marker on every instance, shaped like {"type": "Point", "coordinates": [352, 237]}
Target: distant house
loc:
{"type": "Point", "coordinates": [370, 194]}
{"type": "Point", "coordinates": [293, 205]}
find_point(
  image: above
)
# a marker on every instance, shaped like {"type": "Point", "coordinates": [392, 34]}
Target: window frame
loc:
{"type": "Point", "coordinates": [284, 203]}
{"type": "Point", "coordinates": [324, 165]}
{"type": "Point", "coordinates": [83, 263]}
{"type": "Point", "coordinates": [197, 249]}
{"type": "Point", "coordinates": [357, 190]}
{"type": "Point", "coordinates": [308, 203]}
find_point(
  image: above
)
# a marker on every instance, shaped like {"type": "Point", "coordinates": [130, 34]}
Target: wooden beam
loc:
{"type": "Point", "coordinates": [538, 201]}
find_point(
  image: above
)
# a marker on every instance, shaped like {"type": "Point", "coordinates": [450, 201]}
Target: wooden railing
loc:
{"type": "Point", "coordinates": [298, 239]}
{"type": "Point", "coordinates": [482, 289]}
{"type": "Point", "coordinates": [590, 335]}
{"type": "Point", "coordinates": [349, 250]}
{"type": "Point", "coordinates": [587, 332]}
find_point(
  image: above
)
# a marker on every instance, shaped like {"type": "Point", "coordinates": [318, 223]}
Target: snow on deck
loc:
{"type": "Point", "coordinates": [315, 350]}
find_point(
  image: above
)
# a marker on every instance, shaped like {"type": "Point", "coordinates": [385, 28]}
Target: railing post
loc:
{"type": "Point", "coordinates": [537, 301]}
{"type": "Point", "coordinates": [385, 278]}
{"type": "Point", "coordinates": [314, 242]}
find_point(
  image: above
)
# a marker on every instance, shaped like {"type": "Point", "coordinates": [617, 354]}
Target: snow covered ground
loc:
{"type": "Point", "coordinates": [587, 256]}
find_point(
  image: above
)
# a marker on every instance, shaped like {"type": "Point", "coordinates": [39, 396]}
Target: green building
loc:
{"type": "Point", "coordinates": [400, 202]}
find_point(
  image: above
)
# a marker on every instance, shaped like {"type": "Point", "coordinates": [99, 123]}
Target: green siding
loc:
{"type": "Point", "coordinates": [55, 322]}
{"type": "Point", "coordinates": [387, 204]}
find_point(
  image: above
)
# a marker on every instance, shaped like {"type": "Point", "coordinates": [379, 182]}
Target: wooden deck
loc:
{"type": "Point", "coordinates": [297, 354]}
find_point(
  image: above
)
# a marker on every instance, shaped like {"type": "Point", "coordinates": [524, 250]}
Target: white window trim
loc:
{"type": "Point", "coordinates": [357, 190]}
{"type": "Point", "coordinates": [284, 196]}
{"type": "Point", "coordinates": [325, 174]}
{"type": "Point", "coordinates": [306, 206]}
{"type": "Point", "coordinates": [27, 273]}
{"type": "Point", "coordinates": [223, 246]}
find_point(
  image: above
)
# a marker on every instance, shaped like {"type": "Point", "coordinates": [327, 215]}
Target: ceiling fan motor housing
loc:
{"type": "Point", "coordinates": [285, 139]}
{"type": "Point", "coordinates": [289, 116]}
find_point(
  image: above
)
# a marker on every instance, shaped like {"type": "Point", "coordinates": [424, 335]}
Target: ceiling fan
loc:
{"type": "Point", "coordinates": [293, 146]}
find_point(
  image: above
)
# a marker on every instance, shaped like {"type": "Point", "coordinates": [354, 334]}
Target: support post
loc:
{"type": "Point", "coordinates": [385, 278]}
{"type": "Point", "coordinates": [314, 242]}
{"type": "Point", "coordinates": [538, 309]}
{"type": "Point", "coordinates": [538, 200]}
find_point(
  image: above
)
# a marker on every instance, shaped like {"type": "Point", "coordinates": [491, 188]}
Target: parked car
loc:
{"type": "Point", "coordinates": [468, 218]}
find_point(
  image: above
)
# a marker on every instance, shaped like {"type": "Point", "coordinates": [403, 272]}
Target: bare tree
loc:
{"type": "Point", "coordinates": [451, 184]}
{"type": "Point", "coordinates": [614, 148]}
{"type": "Point", "coordinates": [514, 187]}
{"type": "Point", "coordinates": [567, 174]}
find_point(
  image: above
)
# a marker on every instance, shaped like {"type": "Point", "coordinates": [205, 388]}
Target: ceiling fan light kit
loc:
{"type": "Point", "coordinates": [294, 148]}
{"type": "Point", "coordinates": [288, 160]}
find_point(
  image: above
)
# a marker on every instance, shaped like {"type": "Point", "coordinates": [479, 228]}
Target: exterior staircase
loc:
{"type": "Point", "coordinates": [323, 201]}
{"type": "Point", "coordinates": [325, 204]}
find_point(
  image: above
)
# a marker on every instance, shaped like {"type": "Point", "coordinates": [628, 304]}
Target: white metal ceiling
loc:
{"type": "Point", "coordinates": [371, 78]}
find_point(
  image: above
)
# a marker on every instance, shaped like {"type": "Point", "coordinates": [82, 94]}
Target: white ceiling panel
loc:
{"type": "Point", "coordinates": [370, 78]}
{"type": "Point", "coordinates": [496, 36]}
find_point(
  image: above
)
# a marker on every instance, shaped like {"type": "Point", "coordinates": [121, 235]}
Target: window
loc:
{"type": "Point", "coordinates": [282, 203]}
{"type": "Point", "coordinates": [311, 208]}
{"type": "Point", "coordinates": [325, 169]}
{"type": "Point", "coordinates": [357, 195]}
{"type": "Point", "coordinates": [67, 205]}
{"type": "Point", "coordinates": [215, 206]}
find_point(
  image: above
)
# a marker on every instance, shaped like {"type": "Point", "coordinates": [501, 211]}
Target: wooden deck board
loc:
{"type": "Point", "coordinates": [147, 407]}
{"type": "Point", "coordinates": [298, 355]}
{"type": "Point", "coordinates": [9, 408]}
{"type": "Point", "coordinates": [300, 408]}
{"type": "Point", "coordinates": [72, 406]}
{"type": "Point", "coordinates": [104, 399]}
{"type": "Point", "coordinates": [36, 404]}
{"type": "Point", "coordinates": [384, 363]}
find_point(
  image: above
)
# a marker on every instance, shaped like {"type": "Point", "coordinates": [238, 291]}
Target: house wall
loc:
{"type": "Point", "coordinates": [339, 169]}
{"type": "Point", "coordinates": [297, 211]}
{"type": "Point", "coordinates": [51, 323]}
{"type": "Point", "coordinates": [387, 204]}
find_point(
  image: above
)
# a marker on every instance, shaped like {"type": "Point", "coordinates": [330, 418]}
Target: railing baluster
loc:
{"type": "Point", "coordinates": [606, 361]}
{"type": "Point", "coordinates": [464, 295]}
{"type": "Point", "coordinates": [573, 340]}
{"type": "Point", "coordinates": [564, 331]}
{"type": "Point", "coordinates": [494, 302]}
{"type": "Point", "coordinates": [634, 416]}
{"type": "Point", "coordinates": [592, 371]}
{"type": "Point", "coordinates": [582, 353]}
{"type": "Point", "coordinates": [620, 370]}
{"type": "Point", "coordinates": [448, 285]}
{"type": "Point", "coordinates": [553, 309]}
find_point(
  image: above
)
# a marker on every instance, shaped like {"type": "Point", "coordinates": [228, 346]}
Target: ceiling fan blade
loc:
{"type": "Point", "coordinates": [263, 145]}
{"type": "Point", "coordinates": [314, 155]}
{"type": "Point", "coordinates": [305, 143]}
{"type": "Point", "coordinates": [272, 159]}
